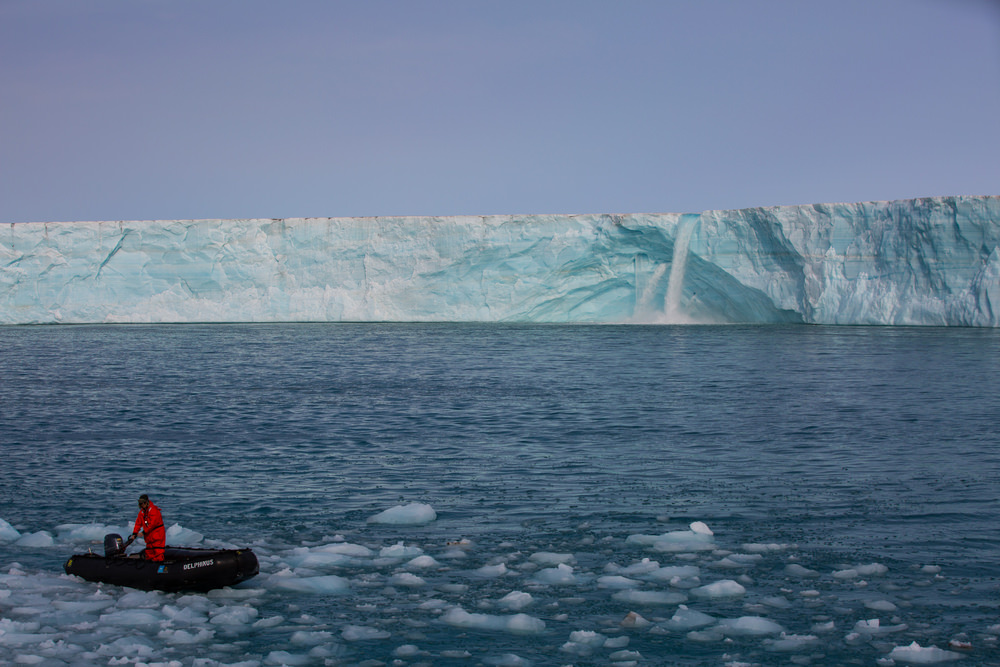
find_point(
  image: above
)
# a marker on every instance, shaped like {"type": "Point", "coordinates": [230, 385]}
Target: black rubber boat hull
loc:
{"type": "Point", "coordinates": [182, 569]}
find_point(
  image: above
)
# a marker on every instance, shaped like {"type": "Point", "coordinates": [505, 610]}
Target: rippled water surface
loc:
{"type": "Point", "coordinates": [832, 449]}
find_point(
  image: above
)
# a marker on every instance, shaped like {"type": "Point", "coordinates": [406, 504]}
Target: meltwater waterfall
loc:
{"type": "Point", "coordinates": [675, 283]}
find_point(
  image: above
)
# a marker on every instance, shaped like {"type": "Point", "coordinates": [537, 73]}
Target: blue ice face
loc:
{"type": "Point", "coordinates": [913, 262]}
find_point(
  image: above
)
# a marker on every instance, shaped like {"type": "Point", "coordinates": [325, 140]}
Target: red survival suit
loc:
{"type": "Point", "coordinates": [150, 522]}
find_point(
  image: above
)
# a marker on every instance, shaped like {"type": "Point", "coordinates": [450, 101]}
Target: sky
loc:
{"type": "Point", "coordinates": [180, 109]}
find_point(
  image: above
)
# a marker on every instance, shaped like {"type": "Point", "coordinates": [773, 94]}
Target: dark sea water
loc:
{"type": "Point", "coordinates": [848, 474]}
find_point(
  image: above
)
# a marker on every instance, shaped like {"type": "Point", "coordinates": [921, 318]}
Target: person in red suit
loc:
{"type": "Point", "coordinates": [150, 523]}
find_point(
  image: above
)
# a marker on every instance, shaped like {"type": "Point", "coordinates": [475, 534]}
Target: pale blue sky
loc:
{"type": "Point", "coordinates": [147, 109]}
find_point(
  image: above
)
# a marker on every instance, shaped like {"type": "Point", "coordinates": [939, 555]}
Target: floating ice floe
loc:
{"type": "Point", "coordinates": [698, 538]}
{"type": "Point", "coordinates": [872, 570]}
{"type": "Point", "coordinates": [616, 582]}
{"type": "Point", "coordinates": [881, 605]}
{"type": "Point", "coordinates": [560, 575]}
{"type": "Point", "coordinates": [406, 580]}
{"type": "Point", "coordinates": [549, 559]}
{"type": "Point", "coordinates": [727, 588]}
{"type": "Point", "coordinates": [491, 571]}
{"type": "Point", "coordinates": [582, 643]}
{"type": "Point", "coordinates": [516, 600]}
{"type": "Point", "coordinates": [634, 620]}
{"type": "Point", "coordinates": [289, 581]}
{"type": "Point", "coordinates": [786, 643]}
{"type": "Point", "coordinates": [737, 561]}
{"type": "Point", "coordinates": [874, 628]}
{"type": "Point", "coordinates": [413, 514]}
{"type": "Point", "coordinates": [505, 660]}
{"type": "Point", "coordinates": [749, 626]}
{"type": "Point", "coordinates": [35, 540]}
{"type": "Point", "coordinates": [8, 533]}
{"type": "Point", "coordinates": [685, 619]}
{"type": "Point", "coordinates": [360, 633]}
{"type": "Point", "coordinates": [85, 532]}
{"type": "Point", "coordinates": [915, 654]}
{"type": "Point", "coordinates": [796, 570]}
{"type": "Point", "coordinates": [178, 535]}
{"type": "Point", "coordinates": [400, 551]}
{"type": "Point", "coordinates": [518, 624]}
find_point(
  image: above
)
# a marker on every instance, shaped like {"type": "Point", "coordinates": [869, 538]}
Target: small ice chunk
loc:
{"type": "Point", "coordinates": [749, 626]}
{"type": "Point", "coordinates": [873, 627]}
{"type": "Point", "coordinates": [550, 559]}
{"type": "Point", "coordinates": [422, 563]}
{"type": "Point", "coordinates": [625, 657]}
{"type": "Point", "coordinates": [616, 582]}
{"type": "Point", "coordinates": [330, 584]}
{"type": "Point", "coordinates": [138, 647]}
{"type": "Point", "coordinates": [727, 588]}
{"type": "Point", "coordinates": [185, 638]}
{"type": "Point", "coordinates": [823, 626]}
{"type": "Point", "coordinates": [516, 600]}
{"type": "Point", "coordinates": [701, 528]}
{"type": "Point", "coordinates": [685, 619]}
{"type": "Point", "coordinates": [345, 549]}
{"type": "Point", "coordinates": [881, 605]}
{"type": "Point", "coordinates": [361, 633]}
{"type": "Point", "coordinates": [407, 580]}
{"type": "Point", "coordinates": [284, 658]}
{"type": "Point", "coordinates": [776, 602]}
{"type": "Point", "coordinates": [491, 571]}
{"type": "Point", "coordinates": [872, 570]}
{"type": "Point", "coordinates": [556, 576]}
{"type": "Point", "coordinates": [634, 620]}
{"type": "Point", "coordinates": [8, 533]}
{"type": "Point", "coordinates": [413, 514]}
{"type": "Point", "coordinates": [239, 615]}
{"type": "Point", "coordinates": [505, 660]}
{"type": "Point", "coordinates": [400, 551]}
{"type": "Point", "coordinates": [35, 540]}
{"type": "Point", "coordinates": [406, 651]}
{"type": "Point", "coordinates": [519, 624]}
{"type": "Point", "coordinates": [269, 622]}
{"type": "Point", "coordinates": [176, 534]}
{"type": "Point", "coordinates": [790, 643]}
{"type": "Point", "coordinates": [706, 636]}
{"type": "Point", "coordinates": [737, 561]}
{"type": "Point", "coordinates": [915, 654]}
{"type": "Point", "coordinates": [678, 541]}
{"type": "Point", "coordinates": [645, 566]}
{"type": "Point", "coordinates": [796, 570]}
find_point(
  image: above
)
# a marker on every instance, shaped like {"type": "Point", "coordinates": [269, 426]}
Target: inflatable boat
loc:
{"type": "Point", "coordinates": [182, 568]}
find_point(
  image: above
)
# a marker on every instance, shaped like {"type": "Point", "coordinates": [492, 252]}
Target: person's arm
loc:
{"type": "Point", "coordinates": [135, 530]}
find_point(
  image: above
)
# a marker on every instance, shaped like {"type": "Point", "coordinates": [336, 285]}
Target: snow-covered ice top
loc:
{"type": "Point", "coordinates": [931, 261]}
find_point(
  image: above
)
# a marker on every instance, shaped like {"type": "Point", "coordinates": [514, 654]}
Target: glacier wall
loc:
{"type": "Point", "coordinates": [931, 261]}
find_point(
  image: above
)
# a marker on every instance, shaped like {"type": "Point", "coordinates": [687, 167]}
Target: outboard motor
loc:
{"type": "Point", "coordinates": [113, 545]}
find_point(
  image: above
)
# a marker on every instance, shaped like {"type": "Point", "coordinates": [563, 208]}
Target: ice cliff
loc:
{"type": "Point", "coordinates": [931, 261]}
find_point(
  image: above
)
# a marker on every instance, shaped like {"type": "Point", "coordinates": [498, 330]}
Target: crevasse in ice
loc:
{"type": "Point", "coordinates": [932, 261]}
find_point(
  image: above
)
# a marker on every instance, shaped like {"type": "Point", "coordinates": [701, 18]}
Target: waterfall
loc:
{"type": "Point", "coordinates": [646, 295]}
{"type": "Point", "coordinates": [675, 283]}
